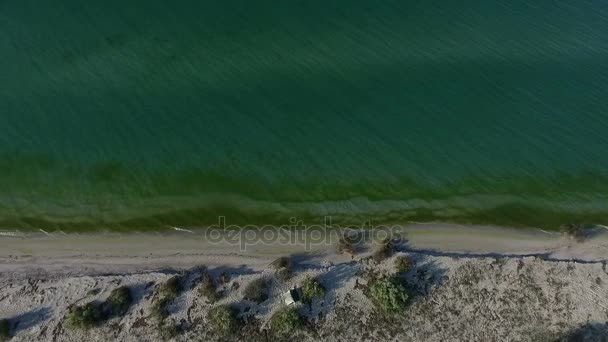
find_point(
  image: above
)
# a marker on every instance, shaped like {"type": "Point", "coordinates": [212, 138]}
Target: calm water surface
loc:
{"type": "Point", "coordinates": [142, 114]}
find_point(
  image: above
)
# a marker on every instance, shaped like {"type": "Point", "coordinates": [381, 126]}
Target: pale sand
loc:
{"type": "Point", "coordinates": [457, 270]}
{"type": "Point", "coordinates": [115, 253]}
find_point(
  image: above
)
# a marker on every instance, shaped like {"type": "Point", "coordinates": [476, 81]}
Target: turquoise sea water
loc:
{"type": "Point", "coordinates": [143, 114]}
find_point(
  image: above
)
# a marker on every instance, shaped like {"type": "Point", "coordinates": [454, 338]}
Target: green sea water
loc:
{"type": "Point", "coordinates": [148, 114]}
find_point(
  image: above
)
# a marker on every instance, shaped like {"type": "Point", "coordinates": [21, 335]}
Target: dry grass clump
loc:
{"type": "Point", "coordinates": [282, 262]}
{"type": "Point", "coordinates": [119, 301]}
{"type": "Point", "coordinates": [257, 291]}
{"type": "Point", "coordinates": [208, 289]}
{"type": "Point", "coordinates": [223, 320]}
{"type": "Point", "coordinates": [283, 268]}
{"type": "Point", "coordinates": [165, 295]}
{"type": "Point", "coordinates": [169, 331]}
{"type": "Point", "coordinates": [403, 264]}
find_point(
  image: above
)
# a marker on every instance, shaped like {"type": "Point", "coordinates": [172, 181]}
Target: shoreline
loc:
{"type": "Point", "coordinates": [110, 252]}
{"type": "Point", "coordinates": [457, 210]}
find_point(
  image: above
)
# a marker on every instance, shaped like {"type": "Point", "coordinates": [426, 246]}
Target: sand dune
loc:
{"type": "Point", "coordinates": [470, 283]}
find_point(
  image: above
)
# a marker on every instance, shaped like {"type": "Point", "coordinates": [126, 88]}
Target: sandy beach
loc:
{"type": "Point", "coordinates": [41, 275]}
{"type": "Point", "coordinates": [134, 252]}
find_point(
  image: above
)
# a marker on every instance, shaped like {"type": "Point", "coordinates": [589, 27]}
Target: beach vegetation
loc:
{"type": "Point", "coordinates": [84, 316]}
{"type": "Point", "coordinates": [403, 264]}
{"type": "Point", "coordinates": [5, 333]}
{"type": "Point", "coordinates": [388, 293]}
{"type": "Point", "coordinates": [312, 288]}
{"type": "Point", "coordinates": [282, 262]}
{"type": "Point", "coordinates": [169, 331]}
{"type": "Point", "coordinates": [159, 308]}
{"type": "Point", "coordinates": [167, 292]}
{"type": "Point", "coordinates": [208, 289]}
{"type": "Point", "coordinates": [223, 320]}
{"type": "Point", "coordinates": [257, 290]}
{"type": "Point", "coordinates": [119, 301]}
{"type": "Point", "coordinates": [282, 268]}
{"type": "Point", "coordinates": [171, 288]}
{"type": "Point", "coordinates": [285, 321]}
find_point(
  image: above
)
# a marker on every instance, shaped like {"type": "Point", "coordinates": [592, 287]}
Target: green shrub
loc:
{"type": "Point", "coordinates": [165, 295]}
{"type": "Point", "coordinates": [403, 264]}
{"type": "Point", "coordinates": [119, 301]}
{"type": "Point", "coordinates": [159, 308]}
{"type": "Point", "coordinates": [285, 321]}
{"type": "Point", "coordinates": [84, 317]}
{"type": "Point", "coordinates": [5, 334]}
{"type": "Point", "coordinates": [312, 288]}
{"type": "Point", "coordinates": [209, 289]}
{"type": "Point", "coordinates": [171, 288]}
{"type": "Point", "coordinates": [169, 331]}
{"type": "Point", "coordinates": [282, 268]}
{"type": "Point", "coordinates": [256, 291]}
{"type": "Point", "coordinates": [388, 294]}
{"type": "Point", "coordinates": [222, 320]}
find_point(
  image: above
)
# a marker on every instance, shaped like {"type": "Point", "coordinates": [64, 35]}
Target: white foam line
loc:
{"type": "Point", "coordinates": [181, 229]}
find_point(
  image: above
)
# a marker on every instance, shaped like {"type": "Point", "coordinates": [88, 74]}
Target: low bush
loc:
{"type": "Point", "coordinates": [159, 308]}
{"type": "Point", "coordinates": [209, 289]}
{"type": "Point", "coordinates": [388, 293]}
{"type": "Point", "coordinates": [282, 262]}
{"type": "Point", "coordinates": [285, 321]}
{"type": "Point", "coordinates": [5, 333]}
{"type": "Point", "coordinates": [256, 291]}
{"type": "Point", "coordinates": [119, 301]}
{"type": "Point", "coordinates": [312, 288]}
{"type": "Point", "coordinates": [403, 264]}
{"type": "Point", "coordinates": [171, 288]}
{"type": "Point", "coordinates": [165, 295]}
{"type": "Point", "coordinates": [283, 268]}
{"type": "Point", "coordinates": [223, 320]}
{"type": "Point", "coordinates": [85, 316]}
{"type": "Point", "coordinates": [169, 331]}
